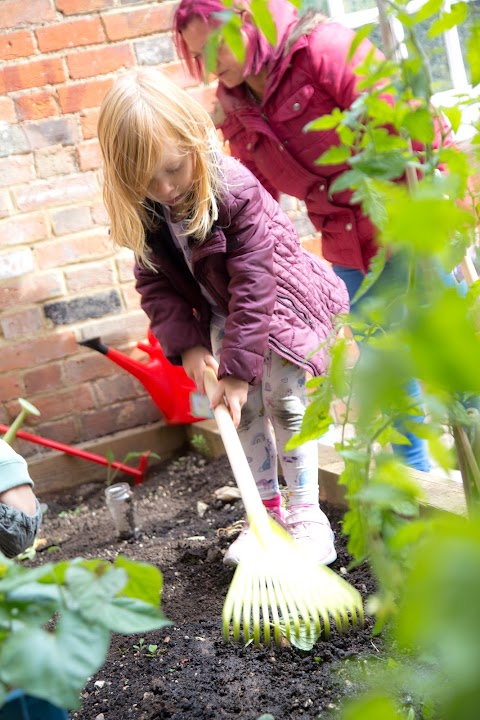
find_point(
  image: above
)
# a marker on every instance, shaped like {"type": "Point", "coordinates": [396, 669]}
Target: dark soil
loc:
{"type": "Point", "coordinates": [193, 674]}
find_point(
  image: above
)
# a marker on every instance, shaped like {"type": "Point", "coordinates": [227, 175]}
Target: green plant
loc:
{"type": "Point", "coordinates": [426, 565]}
{"type": "Point", "coordinates": [200, 444]}
{"type": "Point", "coordinates": [112, 472]}
{"type": "Point", "coordinates": [149, 651]}
{"type": "Point", "coordinates": [56, 621]}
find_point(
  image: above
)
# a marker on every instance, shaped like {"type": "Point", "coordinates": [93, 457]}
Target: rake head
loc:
{"type": "Point", "coordinates": [278, 588]}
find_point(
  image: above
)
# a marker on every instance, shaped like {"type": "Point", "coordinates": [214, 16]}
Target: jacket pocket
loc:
{"type": "Point", "coordinates": [294, 105]}
{"type": "Point", "coordinates": [287, 302]}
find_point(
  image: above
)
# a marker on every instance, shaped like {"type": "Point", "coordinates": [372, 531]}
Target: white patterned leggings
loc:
{"type": "Point", "coordinates": [272, 414]}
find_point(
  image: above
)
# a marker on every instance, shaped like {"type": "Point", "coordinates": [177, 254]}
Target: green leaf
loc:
{"type": "Point", "coordinates": [360, 35]}
{"type": "Point", "coordinates": [336, 155]}
{"type": "Point", "coordinates": [377, 265]}
{"type": "Point", "coordinates": [372, 708]}
{"type": "Point", "coordinates": [232, 34]}
{"type": "Point", "coordinates": [346, 181]}
{"type": "Point", "coordinates": [458, 13]}
{"type": "Point", "coordinates": [473, 52]}
{"type": "Point", "coordinates": [144, 581]}
{"type": "Point", "coordinates": [454, 115]}
{"type": "Point", "coordinates": [419, 125]}
{"type": "Point", "coordinates": [326, 122]}
{"type": "Point", "coordinates": [128, 615]}
{"type": "Point", "coordinates": [54, 666]}
{"type": "Point", "coordinates": [431, 7]}
{"type": "Point", "coordinates": [386, 166]}
{"type": "Point", "coordinates": [263, 19]}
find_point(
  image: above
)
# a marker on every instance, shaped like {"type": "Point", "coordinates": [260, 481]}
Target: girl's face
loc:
{"type": "Point", "coordinates": [228, 70]}
{"type": "Point", "coordinates": [173, 177]}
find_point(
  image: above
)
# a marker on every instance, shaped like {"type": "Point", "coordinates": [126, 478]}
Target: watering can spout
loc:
{"type": "Point", "coordinates": [95, 344]}
{"type": "Point", "coordinates": [168, 385]}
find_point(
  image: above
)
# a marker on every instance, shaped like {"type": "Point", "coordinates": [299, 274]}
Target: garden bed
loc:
{"type": "Point", "coordinates": [190, 674]}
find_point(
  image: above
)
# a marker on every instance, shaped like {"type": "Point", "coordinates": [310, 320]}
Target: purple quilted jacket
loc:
{"type": "Point", "coordinates": [273, 293]}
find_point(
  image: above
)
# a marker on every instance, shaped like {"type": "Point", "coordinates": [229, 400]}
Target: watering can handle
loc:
{"type": "Point", "coordinates": [254, 507]}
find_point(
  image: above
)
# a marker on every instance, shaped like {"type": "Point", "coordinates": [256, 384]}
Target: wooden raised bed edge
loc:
{"type": "Point", "coordinates": [58, 472]}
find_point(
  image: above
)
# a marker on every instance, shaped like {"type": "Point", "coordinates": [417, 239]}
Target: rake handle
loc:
{"type": "Point", "coordinates": [254, 507]}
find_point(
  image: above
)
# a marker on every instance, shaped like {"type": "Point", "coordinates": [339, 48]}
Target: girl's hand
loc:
{"type": "Point", "coordinates": [194, 362]}
{"type": "Point", "coordinates": [233, 393]}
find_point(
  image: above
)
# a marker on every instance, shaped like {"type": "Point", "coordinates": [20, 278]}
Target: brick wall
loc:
{"type": "Point", "coordinates": [60, 279]}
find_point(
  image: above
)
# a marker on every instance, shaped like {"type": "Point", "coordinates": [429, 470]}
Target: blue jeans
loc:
{"type": "Point", "coordinates": [415, 454]}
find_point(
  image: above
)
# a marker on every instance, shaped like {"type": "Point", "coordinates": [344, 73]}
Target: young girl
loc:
{"type": "Point", "coordinates": [224, 282]}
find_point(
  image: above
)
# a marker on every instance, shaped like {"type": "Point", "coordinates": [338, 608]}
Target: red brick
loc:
{"type": "Point", "coordinates": [121, 386]}
{"type": "Point", "coordinates": [24, 323]}
{"type": "Point", "coordinates": [57, 191]}
{"type": "Point", "coordinates": [36, 105]}
{"type": "Point", "coordinates": [47, 377]}
{"type": "Point", "coordinates": [99, 62]}
{"type": "Point", "coordinates": [86, 31]}
{"type": "Point", "coordinates": [179, 75]}
{"type": "Point", "coordinates": [5, 203]}
{"type": "Point", "coordinates": [134, 23]}
{"type": "Point", "coordinates": [75, 7]}
{"type": "Point", "coordinates": [89, 155]}
{"type": "Point", "coordinates": [131, 298]}
{"type": "Point", "coordinates": [55, 160]}
{"type": "Point", "coordinates": [16, 169]}
{"type": "Point", "coordinates": [72, 219]}
{"type": "Point", "coordinates": [35, 287]}
{"type": "Point", "coordinates": [62, 403]}
{"type": "Point", "coordinates": [16, 45]}
{"type": "Point", "coordinates": [23, 229]}
{"type": "Point", "coordinates": [76, 249]}
{"type": "Point", "coordinates": [88, 277]}
{"type": "Point", "coordinates": [36, 73]}
{"type": "Point", "coordinates": [64, 430]}
{"type": "Point", "coordinates": [80, 369]}
{"type": "Point", "coordinates": [21, 12]}
{"type": "Point", "coordinates": [99, 214]}
{"type": "Point", "coordinates": [39, 350]}
{"type": "Point", "coordinates": [78, 96]}
{"type": "Point", "coordinates": [11, 387]}
{"type": "Point", "coordinates": [7, 110]}
{"type": "Point", "coordinates": [89, 121]}
{"type": "Point", "coordinates": [125, 267]}
{"type": "Point", "coordinates": [97, 424]}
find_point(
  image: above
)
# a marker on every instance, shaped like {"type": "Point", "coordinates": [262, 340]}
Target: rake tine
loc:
{"type": "Point", "coordinates": [247, 608]}
{"type": "Point", "coordinates": [256, 610]}
{"type": "Point", "coordinates": [264, 595]}
{"type": "Point", "coordinates": [274, 610]}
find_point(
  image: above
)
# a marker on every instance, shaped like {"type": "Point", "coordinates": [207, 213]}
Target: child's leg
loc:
{"type": "Point", "coordinates": [256, 437]}
{"type": "Point", "coordinates": [285, 400]}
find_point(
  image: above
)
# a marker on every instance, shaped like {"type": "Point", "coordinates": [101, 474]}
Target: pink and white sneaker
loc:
{"type": "Point", "coordinates": [311, 529]}
{"type": "Point", "coordinates": [241, 545]}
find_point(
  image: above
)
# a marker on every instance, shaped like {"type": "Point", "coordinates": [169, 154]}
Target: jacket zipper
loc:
{"type": "Point", "coordinates": [289, 355]}
{"type": "Point", "coordinates": [288, 302]}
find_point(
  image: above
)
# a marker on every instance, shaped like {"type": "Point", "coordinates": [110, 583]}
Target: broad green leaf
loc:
{"type": "Point", "coordinates": [454, 115]}
{"type": "Point", "coordinates": [54, 666]}
{"type": "Point", "coordinates": [231, 33]}
{"type": "Point", "coordinates": [336, 155]}
{"type": "Point", "coordinates": [326, 122]}
{"type": "Point", "coordinates": [346, 181]}
{"type": "Point", "coordinates": [385, 166]}
{"type": "Point", "coordinates": [419, 125]}
{"type": "Point", "coordinates": [144, 581]}
{"type": "Point", "coordinates": [431, 7]}
{"type": "Point", "coordinates": [372, 198]}
{"type": "Point", "coordinates": [376, 707]}
{"type": "Point", "coordinates": [211, 51]}
{"type": "Point", "coordinates": [473, 51]}
{"type": "Point", "coordinates": [338, 367]}
{"type": "Point", "coordinates": [425, 333]}
{"type": "Point", "coordinates": [458, 13]}
{"type": "Point", "coordinates": [361, 34]}
{"type": "Point", "coordinates": [128, 615]}
{"type": "Point", "coordinates": [264, 20]}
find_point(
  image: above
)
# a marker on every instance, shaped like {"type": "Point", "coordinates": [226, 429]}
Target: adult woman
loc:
{"type": "Point", "coordinates": [266, 101]}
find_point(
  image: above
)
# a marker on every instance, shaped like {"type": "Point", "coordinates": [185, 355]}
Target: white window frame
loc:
{"type": "Point", "coordinates": [456, 65]}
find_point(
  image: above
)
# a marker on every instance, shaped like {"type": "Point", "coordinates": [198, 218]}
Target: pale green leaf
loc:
{"type": "Point", "coordinates": [144, 581]}
{"type": "Point", "coordinates": [336, 155]}
{"type": "Point", "coordinates": [419, 125]}
{"type": "Point", "coordinates": [264, 20]}
{"type": "Point", "coordinates": [473, 52]}
{"type": "Point", "coordinates": [458, 13]}
{"type": "Point", "coordinates": [325, 122]}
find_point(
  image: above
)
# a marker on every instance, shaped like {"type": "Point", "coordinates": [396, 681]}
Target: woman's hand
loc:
{"type": "Point", "coordinates": [194, 362]}
{"type": "Point", "coordinates": [233, 393]}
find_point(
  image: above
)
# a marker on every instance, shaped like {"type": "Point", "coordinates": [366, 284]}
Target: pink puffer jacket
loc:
{"type": "Point", "coordinates": [273, 293]}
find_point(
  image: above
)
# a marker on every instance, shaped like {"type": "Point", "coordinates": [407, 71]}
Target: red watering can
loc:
{"type": "Point", "coordinates": [168, 385]}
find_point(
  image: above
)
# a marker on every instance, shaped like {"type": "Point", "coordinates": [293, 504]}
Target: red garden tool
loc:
{"type": "Point", "coordinates": [168, 385]}
{"type": "Point", "coordinates": [137, 473]}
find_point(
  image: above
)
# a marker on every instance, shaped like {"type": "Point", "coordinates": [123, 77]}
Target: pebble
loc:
{"type": "Point", "coordinates": [99, 684]}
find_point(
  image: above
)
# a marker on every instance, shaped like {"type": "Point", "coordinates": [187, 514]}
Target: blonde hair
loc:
{"type": "Point", "coordinates": [141, 113]}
